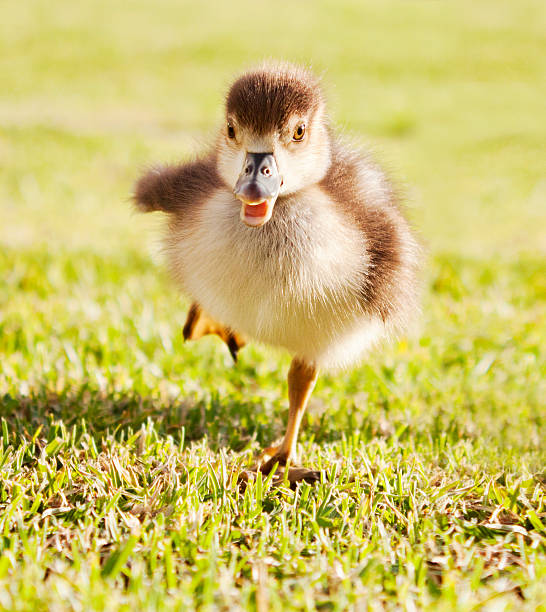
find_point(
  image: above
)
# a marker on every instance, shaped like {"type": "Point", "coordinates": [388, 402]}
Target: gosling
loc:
{"type": "Point", "coordinates": [283, 234]}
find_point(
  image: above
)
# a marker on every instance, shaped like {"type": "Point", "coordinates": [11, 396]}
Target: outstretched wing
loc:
{"type": "Point", "coordinates": [172, 189]}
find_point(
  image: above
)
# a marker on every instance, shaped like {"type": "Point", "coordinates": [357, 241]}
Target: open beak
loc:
{"type": "Point", "coordinates": [258, 187]}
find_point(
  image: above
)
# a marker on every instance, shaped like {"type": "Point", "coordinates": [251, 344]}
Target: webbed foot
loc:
{"type": "Point", "coordinates": [285, 471]}
{"type": "Point", "coordinates": [291, 475]}
{"type": "Point", "coordinates": [199, 324]}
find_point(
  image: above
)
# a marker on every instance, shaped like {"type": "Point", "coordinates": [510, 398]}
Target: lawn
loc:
{"type": "Point", "coordinates": [120, 446]}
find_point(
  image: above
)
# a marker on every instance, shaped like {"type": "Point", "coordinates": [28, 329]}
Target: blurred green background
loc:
{"type": "Point", "coordinates": [450, 95]}
{"type": "Point", "coordinates": [120, 444]}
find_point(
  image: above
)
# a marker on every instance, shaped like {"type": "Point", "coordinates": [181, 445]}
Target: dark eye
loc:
{"type": "Point", "coordinates": [299, 132]}
{"type": "Point", "coordinates": [230, 131]}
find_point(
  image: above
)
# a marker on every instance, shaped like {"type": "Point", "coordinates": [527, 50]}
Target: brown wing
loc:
{"type": "Point", "coordinates": [388, 284]}
{"type": "Point", "coordinates": [178, 188]}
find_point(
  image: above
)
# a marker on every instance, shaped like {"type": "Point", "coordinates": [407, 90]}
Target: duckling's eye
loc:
{"type": "Point", "coordinates": [230, 131]}
{"type": "Point", "coordinates": [299, 132]}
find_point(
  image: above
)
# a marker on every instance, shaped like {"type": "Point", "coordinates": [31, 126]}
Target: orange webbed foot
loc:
{"type": "Point", "coordinates": [285, 470]}
{"type": "Point", "coordinates": [199, 324]}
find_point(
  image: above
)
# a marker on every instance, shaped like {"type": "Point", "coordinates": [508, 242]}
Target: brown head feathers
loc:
{"type": "Point", "coordinates": [263, 99]}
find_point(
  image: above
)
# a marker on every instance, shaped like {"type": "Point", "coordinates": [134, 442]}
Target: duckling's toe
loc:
{"type": "Point", "coordinates": [301, 474]}
{"type": "Point", "coordinates": [290, 473]}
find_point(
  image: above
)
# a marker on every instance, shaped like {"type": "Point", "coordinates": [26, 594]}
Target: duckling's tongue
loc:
{"type": "Point", "coordinates": [256, 210]}
{"type": "Point", "coordinates": [256, 214]}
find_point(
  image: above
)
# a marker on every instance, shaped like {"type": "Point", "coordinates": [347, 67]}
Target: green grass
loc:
{"type": "Point", "coordinates": [120, 446]}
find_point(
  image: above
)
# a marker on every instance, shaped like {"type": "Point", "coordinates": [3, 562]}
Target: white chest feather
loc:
{"type": "Point", "coordinates": [292, 283]}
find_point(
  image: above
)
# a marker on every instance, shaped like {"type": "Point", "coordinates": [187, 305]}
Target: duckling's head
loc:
{"type": "Point", "coordinates": [275, 140]}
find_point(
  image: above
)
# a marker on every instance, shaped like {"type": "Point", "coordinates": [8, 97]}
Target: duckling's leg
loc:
{"type": "Point", "coordinates": [199, 324]}
{"type": "Point", "coordinates": [301, 382]}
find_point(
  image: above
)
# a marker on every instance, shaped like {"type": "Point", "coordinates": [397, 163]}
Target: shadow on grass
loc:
{"type": "Point", "coordinates": [225, 422]}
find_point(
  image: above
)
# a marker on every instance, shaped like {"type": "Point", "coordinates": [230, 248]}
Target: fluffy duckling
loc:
{"type": "Point", "coordinates": [283, 234]}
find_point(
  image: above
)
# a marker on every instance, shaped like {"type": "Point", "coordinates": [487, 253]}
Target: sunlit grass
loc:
{"type": "Point", "coordinates": [121, 450]}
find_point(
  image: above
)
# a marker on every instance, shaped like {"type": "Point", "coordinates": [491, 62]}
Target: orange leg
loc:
{"type": "Point", "coordinates": [301, 382]}
{"type": "Point", "coordinates": [199, 324]}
